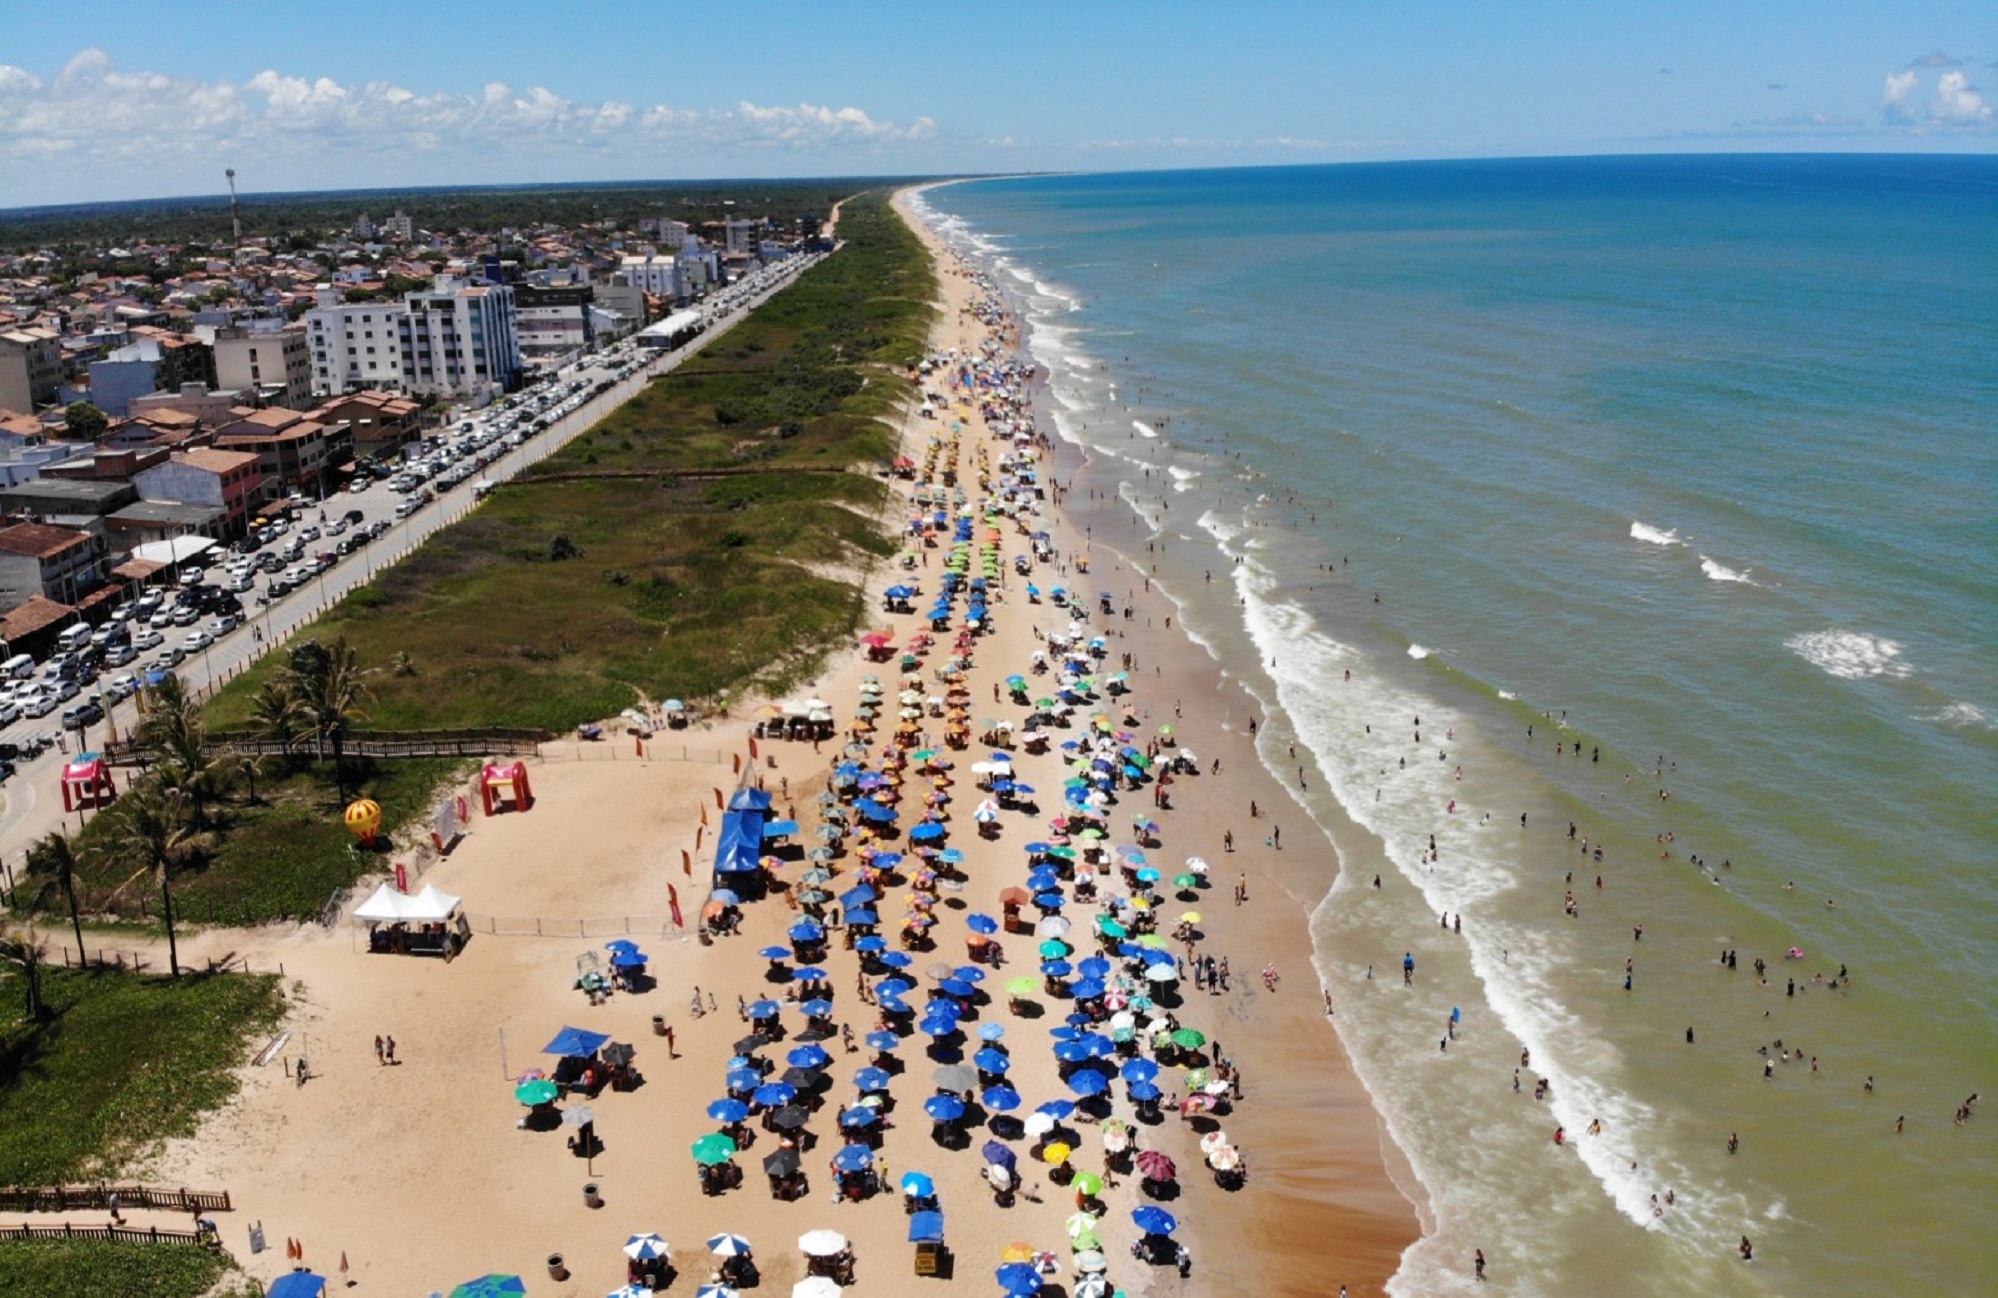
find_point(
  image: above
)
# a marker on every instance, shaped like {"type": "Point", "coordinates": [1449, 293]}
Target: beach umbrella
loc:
{"type": "Point", "coordinates": [1163, 972]}
{"type": "Point", "coordinates": [1054, 949]}
{"type": "Point", "coordinates": [1071, 1052]}
{"type": "Point", "coordinates": [1004, 1099]}
{"type": "Point", "coordinates": [1019, 1278]}
{"type": "Point", "coordinates": [773, 1094]}
{"type": "Point", "coordinates": [982, 924]}
{"type": "Point", "coordinates": [1087, 1083]}
{"type": "Point", "coordinates": [713, 1148]}
{"type": "Point", "coordinates": [486, 1286]}
{"type": "Point", "coordinates": [1056, 1153]}
{"type": "Point", "coordinates": [1082, 1223]}
{"type": "Point", "coordinates": [1055, 968]}
{"type": "Point", "coordinates": [1155, 1165]}
{"type": "Point", "coordinates": [764, 1009]}
{"type": "Point", "coordinates": [728, 1110]}
{"type": "Point", "coordinates": [644, 1248]}
{"type": "Point", "coordinates": [1088, 1184]}
{"type": "Point", "coordinates": [783, 1162]}
{"type": "Point", "coordinates": [853, 1158]}
{"type": "Point", "coordinates": [991, 1031]}
{"type": "Point", "coordinates": [537, 1091]}
{"type": "Point", "coordinates": [817, 1009]}
{"type": "Point", "coordinates": [956, 1077]}
{"type": "Point", "coordinates": [790, 1117]}
{"type": "Point", "coordinates": [1154, 1220]}
{"type": "Point", "coordinates": [991, 1060]}
{"type": "Point", "coordinates": [1038, 1124]}
{"type": "Point", "coordinates": [1017, 1251]}
{"type": "Point", "coordinates": [810, 974]}
{"type": "Point", "coordinates": [870, 944]}
{"type": "Point", "coordinates": [882, 1040]}
{"type": "Point", "coordinates": [954, 986]}
{"type": "Point", "coordinates": [775, 953]}
{"type": "Point", "coordinates": [822, 1243]}
{"type": "Point", "coordinates": [872, 1079]}
{"type": "Point", "coordinates": [1140, 1070]}
{"type": "Point", "coordinates": [896, 959]}
{"type": "Point", "coordinates": [860, 1116]}
{"type": "Point", "coordinates": [575, 1043]}
{"type": "Point", "coordinates": [705, 1291]}
{"type": "Point", "coordinates": [299, 1284]}
{"type": "Point", "coordinates": [944, 1108]}
{"type": "Point", "coordinates": [1144, 1092]}
{"type": "Point", "coordinates": [805, 1079]}
{"type": "Point", "coordinates": [810, 1055]}
{"type": "Point", "coordinates": [1022, 986]}
{"type": "Point", "coordinates": [1189, 1038]}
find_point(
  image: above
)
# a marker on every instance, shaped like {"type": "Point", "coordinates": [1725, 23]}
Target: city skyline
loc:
{"type": "Point", "coordinates": [112, 104]}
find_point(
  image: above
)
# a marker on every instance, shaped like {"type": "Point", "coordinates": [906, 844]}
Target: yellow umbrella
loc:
{"type": "Point", "coordinates": [1056, 1154]}
{"type": "Point", "coordinates": [1017, 1251]}
{"type": "Point", "coordinates": [1190, 917]}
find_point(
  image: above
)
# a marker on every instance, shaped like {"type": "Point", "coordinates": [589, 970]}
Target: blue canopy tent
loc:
{"type": "Point", "coordinates": [739, 852]}
{"type": "Point", "coordinates": [575, 1043]}
{"type": "Point", "coordinates": [756, 800]}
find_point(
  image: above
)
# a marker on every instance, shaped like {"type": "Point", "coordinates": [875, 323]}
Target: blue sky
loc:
{"type": "Point", "coordinates": [128, 100]}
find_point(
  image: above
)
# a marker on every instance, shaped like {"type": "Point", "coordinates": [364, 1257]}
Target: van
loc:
{"type": "Point", "coordinates": [18, 668]}
{"type": "Point", "coordinates": [73, 638]}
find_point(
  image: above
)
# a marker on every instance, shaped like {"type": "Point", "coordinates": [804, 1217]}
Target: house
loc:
{"type": "Point", "coordinates": [210, 407]}
{"type": "Point", "coordinates": [31, 627]}
{"type": "Point", "coordinates": [67, 502]}
{"type": "Point", "coordinates": [297, 453]}
{"type": "Point", "coordinates": [376, 422]}
{"type": "Point", "coordinates": [228, 480]}
{"type": "Point", "coordinates": [58, 563]}
{"type": "Point", "coordinates": [153, 361]}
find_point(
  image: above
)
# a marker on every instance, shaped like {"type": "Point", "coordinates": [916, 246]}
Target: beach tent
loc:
{"type": "Point", "coordinates": [389, 906]}
{"type": "Point", "coordinates": [575, 1043]}
{"type": "Point", "coordinates": [86, 782]}
{"type": "Point", "coordinates": [298, 1284]}
{"type": "Point", "coordinates": [757, 800]}
{"type": "Point", "coordinates": [496, 779]}
{"type": "Point", "coordinates": [738, 849]}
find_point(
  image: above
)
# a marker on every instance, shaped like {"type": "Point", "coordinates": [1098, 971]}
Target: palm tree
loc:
{"type": "Point", "coordinates": [175, 734]}
{"type": "Point", "coordinates": [275, 714]}
{"type": "Point", "coordinates": [333, 692]}
{"type": "Point", "coordinates": [150, 827]}
{"type": "Point", "coordinates": [54, 857]}
{"type": "Point", "coordinates": [26, 953]}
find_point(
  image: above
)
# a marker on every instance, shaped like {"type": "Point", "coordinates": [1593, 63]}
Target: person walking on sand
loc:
{"type": "Point", "coordinates": [388, 1049]}
{"type": "Point", "coordinates": [1478, 1265]}
{"type": "Point", "coordinates": [1407, 969]}
{"type": "Point", "coordinates": [380, 1057]}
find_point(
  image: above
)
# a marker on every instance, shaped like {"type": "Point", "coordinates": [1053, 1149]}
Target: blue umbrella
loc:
{"type": "Point", "coordinates": [744, 1079]}
{"type": "Point", "coordinates": [298, 1284]}
{"type": "Point", "coordinates": [621, 944]}
{"type": "Point", "coordinates": [1043, 877]}
{"type": "Point", "coordinates": [728, 1110]}
{"type": "Point", "coordinates": [981, 924]}
{"type": "Point", "coordinates": [998, 1155]}
{"type": "Point", "coordinates": [1088, 988]}
{"type": "Point", "coordinates": [806, 931]}
{"type": "Point", "coordinates": [1139, 1070]}
{"type": "Point", "coordinates": [859, 896]}
{"type": "Point", "coordinates": [1056, 1109]}
{"type": "Point", "coordinates": [1087, 1083]}
{"type": "Point", "coordinates": [1055, 968]}
{"type": "Point", "coordinates": [862, 1116]}
{"type": "Point", "coordinates": [809, 974]}
{"type": "Point", "coordinates": [809, 1055]}
{"type": "Point", "coordinates": [1144, 1092]}
{"type": "Point", "coordinates": [969, 973]}
{"type": "Point", "coordinates": [725, 896]}
{"type": "Point", "coordinates": [956, 987]}
{"type": "Point", "coordinates": [775, 953]}
{"type": "Point", "coordinates": [870, 944]}
{"type": "Point", "coordinates": [863, 916]}
{"type": "Point", "coordinates": [1154, 1220]}
{"type": "Point", "coordinates": [764, 1009]}
{"type": "Point", "coordinates": [1035, 849]}
{"type": "Point", "coordinates": [574, 1043]}
{"type": "Point", "coordinates": [991, 1031]}
{"type": "Point", "coordinates": [1019, 1278]}
{"type": "Point", "coordinates": [1099, 1045]}
{"type": "Point", "coordinates": [882, 1041]}
{"type": "Point", "coordinates": [775, 1094]}
{"type": "Point", "coordinates": [944, 1108]}
{"type": "Point", "coordinates": [1050, 900]}
{"type": "Point", "coordinates": [990, 1060]}
{"type": "Point", "coordinates": [918, 1185]}
{"type": "Point", "coordinates": [853, 1158]}
{"type": "Point", "coordinates": [887, 860]}
{"type": "Point", "coordinates": [628, 959]}
{"type": "Point", "coordinates": [817, 1009]}
{"type": "Point", "coordinates": [896, 959]}
{"type": "Point", "coordinates": [888, 1004]}
{"type": "Point", "coordinates": [950, 856]}
{"type": "Point", "coordinates": [928, 831]}
{"type": "Point", "coordinates": [1004, 1098]}
{"type": "Point", "coordinates": [937, 1027]}
{"type": "Point", "coordinates": [1094, 967]}
{"type": "Point", "coordinates": [872, 1079]}
{"type": "Point", "coordinates": [1071, 1052]}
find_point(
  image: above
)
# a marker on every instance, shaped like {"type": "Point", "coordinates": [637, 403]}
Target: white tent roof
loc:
{"type": "Point", "coordinates": [172, 552]}
{"type": "Point", "coordinates": [428, 906]}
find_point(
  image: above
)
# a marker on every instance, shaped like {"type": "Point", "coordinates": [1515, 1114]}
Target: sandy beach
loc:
{"type": "Point", "coordinates": [417, 1175]}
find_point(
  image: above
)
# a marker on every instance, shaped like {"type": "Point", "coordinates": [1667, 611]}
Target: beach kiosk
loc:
{"type": "Point", "coordinates": [86, 782]}
{"type": "Point", "coordinates": [496, 780]}
{"type": "Point", "coordinates": [425, 923]}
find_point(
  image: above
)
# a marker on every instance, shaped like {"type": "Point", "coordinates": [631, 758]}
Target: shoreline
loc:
{"type": "Point", "coordinates": [1344, 1189]}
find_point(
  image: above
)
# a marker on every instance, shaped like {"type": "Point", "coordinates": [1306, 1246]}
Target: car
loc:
{"type": "Point", "coordinates": [197, 640]}
{"type": "Point", "coordinates": [65, 689]}
{"type": "Point", "coordinates": [147, 639]}
{"type": "Point", "coordinates": [349, 544]}
{"type": "Point", "coordinates": [10, 712]}
{"type": "Point", "coordinates": [353, 516]}
{"type": "Point", "coordinates": [86, 713]}
{"type": "Point", "coordinates": [226, 622]}
{"type": "Point", "coordinates": [358, 485]}
{"type": "Point", "coordinates": [119, 654]}
{"type": "Point", "coordinates": [192, 575]}
{"type": "Point", "coordinates": [161, 618]}
{"type": "Point", "coordinates": [122, 687]}
{"type": "Point", "coordinates": [40, 705]}
{"type": "Point", "coordinates": [336, 527]}
{"type": "Point", "coordinates": [7, 769]}
{"type": "Point", "coordinates": [308, 533]}
{"type": "Point", "coordinates": [186, 615]}
{"type": "Point", "coordinates": [171, 656]}
{"type": "Point", "coordinates": [242, 583]}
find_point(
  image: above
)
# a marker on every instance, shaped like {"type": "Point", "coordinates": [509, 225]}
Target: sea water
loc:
{"type": "Point", "coordinates": [1687, 465]}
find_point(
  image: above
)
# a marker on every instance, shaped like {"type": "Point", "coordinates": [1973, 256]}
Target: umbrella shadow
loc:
{"type": "Point", "coordinates": [1163, 1191]}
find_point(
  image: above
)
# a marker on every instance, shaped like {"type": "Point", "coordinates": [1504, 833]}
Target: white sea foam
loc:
{"type": "Point", "coordinates": [1419, 652]}
{"type": "Point", "coordinates": [1850, 655]}
{"type": "Point", "coordinates": [1957, 716]}
{"type": "Point", "coordinates": [1144, 429]}
{"type": "Point", "coordinates": [1653, 535]}
{"type": "Point", "coordinates": [1507, 694]}
{"type": "Point", "coordinates": [1182, 479]}
{"type": "Point", "coordinates": [1717, 571]}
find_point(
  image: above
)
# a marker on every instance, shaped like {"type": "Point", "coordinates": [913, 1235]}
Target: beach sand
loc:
{"type": "Point", "coordinates": [418, 1175]}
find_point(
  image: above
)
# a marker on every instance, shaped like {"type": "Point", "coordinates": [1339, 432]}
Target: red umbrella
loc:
{"type": "Point", "coordinates": [1155, 1166]}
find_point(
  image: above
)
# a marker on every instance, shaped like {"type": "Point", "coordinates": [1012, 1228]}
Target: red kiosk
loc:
{"type": "Point", "coordinates": [86, 782]}
{"type": "Point", "coordinates": [495, 780]}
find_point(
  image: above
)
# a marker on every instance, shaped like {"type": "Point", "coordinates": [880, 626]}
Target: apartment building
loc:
{"type": "Point", "coordinates": [270, 358]}
{"type": "Point", "coordinates": [30, 369]}
{"type": "Point", "coordinates": [459, 338]}
{"type": "Point", "coordinates": [354, 345]}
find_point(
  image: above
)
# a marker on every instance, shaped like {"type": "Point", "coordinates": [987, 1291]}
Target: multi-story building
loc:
{"type": "Point", "coordinates": [296, 453]}
{"type": "Point", "coordinates": [30, 369]}
{"type": "Point", "coordinates": [622, 298]}
{"type": "Point", "coordinates": [738, 236]}
{"type": "Point", "coordinates": [375, 422]}
{"type": "Point", "coordinates": [156, 362]}
{"type": "Point", "coordinates": [271, 358]}
{"type": "Point", "coordinates": [229, 480]}
{"type": "Point", "coordinates": [354, 345]}
{"type": "Point", "coordinates": [398, 227]}
{"type": "Point", "coordinates": [660, 275]}
{"type": "Point", "coordinates": [459, 338]}
{"type": "Point", "coordinates": [554, 321]}
{"type": "Point", "coordinates": [57, 563]}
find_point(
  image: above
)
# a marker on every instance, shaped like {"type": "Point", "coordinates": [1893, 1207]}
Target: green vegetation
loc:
{"type": "Point", "coordinates": [79, 1268]}
{"type": "Point", "coordinates": [703, 536]}
{"type": "Point", "coordinates": [122, 1062]}
{"type": "Point", "coordinates": [86, 422]}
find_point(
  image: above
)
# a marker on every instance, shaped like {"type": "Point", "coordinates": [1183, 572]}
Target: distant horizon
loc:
{"type": "Point", "coordinates": [221, 195]}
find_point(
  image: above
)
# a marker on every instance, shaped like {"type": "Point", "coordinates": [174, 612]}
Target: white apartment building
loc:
{"type": "Point", "coordinates": [460, 337]}
{"type": "Point", "coordinates": [659, 274]}
{"type": "Point", "coordinates": [268, 357]}
{"type": "Point", "coordinates": [355, 345]}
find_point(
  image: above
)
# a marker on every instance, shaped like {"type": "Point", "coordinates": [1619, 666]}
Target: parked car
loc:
{"type": "Point", "coordinates": [147, 639]}
{"type": "Point", "coordinates": [86, 713]}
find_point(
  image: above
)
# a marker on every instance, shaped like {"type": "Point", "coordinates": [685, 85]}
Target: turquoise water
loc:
{"type": "Point", "coordinates": [1689, 461]}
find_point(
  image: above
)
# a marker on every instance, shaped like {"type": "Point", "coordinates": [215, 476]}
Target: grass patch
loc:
{"type": "Point", "coordinates": [77, 1268]}
{"type": "Point", "coordinates": [127, 1061]}
{"type": "Point", "coordinates": [278, 858]}
{"type": "Point", "coordinates": [568, 594]}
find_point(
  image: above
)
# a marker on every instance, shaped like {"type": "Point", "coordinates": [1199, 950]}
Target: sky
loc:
{"type": "Point", "coordinates": [118, 100]}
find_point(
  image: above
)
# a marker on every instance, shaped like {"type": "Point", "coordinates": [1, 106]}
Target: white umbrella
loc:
{"type": "Point", "coordinates": [1054, 926]}
{"type": "Point", "coordinates": [1091, 1262]}
{"type": "Point", "coordinates": [1039, 1124]}
{"type": "Point", "coordinates": [1082, 1223]}
{"type": "Point", "coordinates": [816, 703]}
{"type": "Point", "coordinates": [1212, 1141]}
{"type": "Point", "coordinates": [645, 1247]}
{"type": "Point", "coordinates": [816, 1286]}
{"type": "Point", "coordinates": [728, 1246]}
{"type": "Point", "coordinates": [1225, 1159]}
{"type": "Point", "coordinates": [1092, 1286]}
{"type": "Point", "coordinates": [1196, 865]}
{"type": "Point", "coordinates": [822, 1243]}
{"type": "Point", "coordinates": [1162, 973]}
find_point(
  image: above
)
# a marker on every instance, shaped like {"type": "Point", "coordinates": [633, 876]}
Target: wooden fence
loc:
{"type": "Point", "coordinates": [591, 927]}
{"type": "Point", "coordinates": [116, 1234]}
{"type": "Point", "coordinates": [389, 744]}
{"type": "Point", "coordinates": [64, 1198]}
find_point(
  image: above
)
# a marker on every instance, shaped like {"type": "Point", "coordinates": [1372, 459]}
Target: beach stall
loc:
{"type": "Point", "coordinates": [497, 780]}
{"type": "Point", "coordinates": [425, 923]}
{"type": "Point", "coordinates": [86, 782]}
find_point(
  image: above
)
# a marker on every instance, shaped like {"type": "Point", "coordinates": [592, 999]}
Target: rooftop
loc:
{"type": "Point", "coordinates": [39, 540]}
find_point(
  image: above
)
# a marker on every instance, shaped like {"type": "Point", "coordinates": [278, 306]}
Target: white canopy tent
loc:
{"type": "Point", "coordinates": [389, 906]}
{"type": "Point", "coordinates": [426, 923]}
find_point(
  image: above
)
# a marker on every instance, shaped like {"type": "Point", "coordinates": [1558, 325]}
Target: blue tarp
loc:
{"type": "Point", "coordinates": [574, 1043]}
{"type": "Point", "coordinates": [926, 1228]}
{"type": "Point", "coordinates": [739, 846]}
{"type": "Point", "coordinates": [780, 829]}
{"type": "Point", "coordinates": [749, 800]}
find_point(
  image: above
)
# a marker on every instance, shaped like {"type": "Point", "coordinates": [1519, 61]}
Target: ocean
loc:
{"type": "Point", "coordinates": [1643, 503]}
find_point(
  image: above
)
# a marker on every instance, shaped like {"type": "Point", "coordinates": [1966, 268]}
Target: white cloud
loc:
{"type": "Point", "coordinates": [1894, 101]}
{"type": "Point", "coordinates": [1957, 102]}
{"type": "Point", "coordinates": [96, 131]}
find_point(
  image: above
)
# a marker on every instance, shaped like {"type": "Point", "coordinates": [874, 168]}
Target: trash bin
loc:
{"type": "Point", "coordinates": [557, 1271]}
{"type": "Point", "coordinates": [658, 1025]}
{"type": "Point", "coordinates": [590, 1195]}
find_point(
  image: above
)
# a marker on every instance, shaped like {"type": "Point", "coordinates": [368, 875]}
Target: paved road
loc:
{"type": "Point", "coordinates": [33, 799]}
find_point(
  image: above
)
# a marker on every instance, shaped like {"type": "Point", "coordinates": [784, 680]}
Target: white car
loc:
{"type": "Point", "coordinates": [147, 638]}
{"type": "Point", "coordinates": [161, 620]}
{"type": "Point", "coordinates": [196, 641]}
{"type": "Point", "coordinates": [10, 712]}
{"type": "Point", "coordinates": [226, 622]}
{"type": "Point", "coordinates": [40, 705]}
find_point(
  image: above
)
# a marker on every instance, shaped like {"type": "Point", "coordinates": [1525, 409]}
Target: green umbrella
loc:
{"type": "Point", "coordinates": [1091, 835]}
{"type": "Point", "coordinates": [1086, 1241]}
{"type": "Point", "coordinates": [538, 1091]}
{"type": "Point", "coordinates": [1189, 1038]}
{"type": "Point", "coordinates": [1122, 1035]}
{"type": "Point", "coordinates": [1139, 760]}
{"type": "Point", "coordinates": [1110, 928]}
{"type": "Point", "coordinates": [1197, 1078]}
{"type": "Point", "coordinates": [713, 1148]}
{"type": "Point", "coordinates": [1053, 950]}
{"type": "Point", "coordinates": [1152, 940]}
{"type": "Point", "coordinates": [1044, 703]}
{"type": "Point", "coordinates": [1088, 1183]}
{"type": "Point", "coordinates": [1186, 881]}
{"type": "Point", "coordinates": [490, 1286]}
{"type": "Point", "coordinates": [1022, 986]}
{"type": "Point", "coordinates": [1065, 853]}
{"type": "Point", "coordinates": [1165, 730]}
